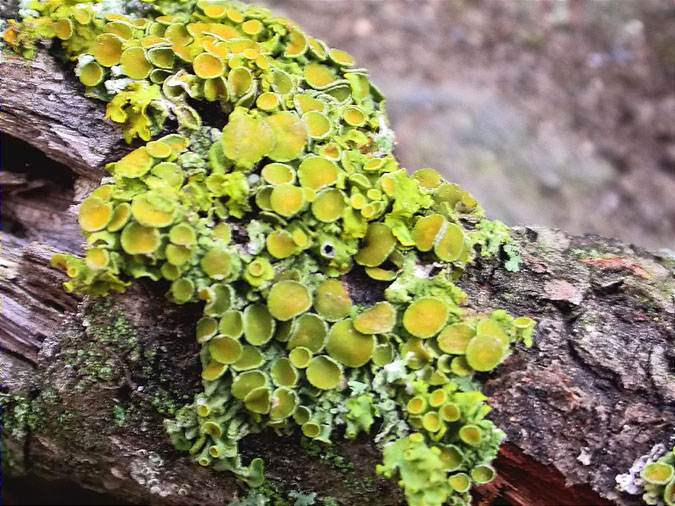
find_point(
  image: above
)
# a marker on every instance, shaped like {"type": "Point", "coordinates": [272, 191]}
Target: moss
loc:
{"type": "Point", "coordinates": [7, 458]}
{"type": "Point", "coordinates": [331, 455]}
{"type": "Point", "coordinates": [269, 493]}
{"type": "Point", "coordinates": [359, 483]}
{"type": "Point", "coordinates": [331, 501]}
{"type": "Point", "coordinates": [119, 415]}
{"type": "Point", "coordinates": [97, 360]}
{"type": "Point", "coordinates": [20, 415]}
{"type": "Point", "coordinates": [272, 493]}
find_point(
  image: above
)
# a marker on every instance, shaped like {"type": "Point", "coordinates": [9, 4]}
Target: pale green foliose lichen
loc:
{"type": "Point", "coordinates": [653, 476]}
{"type": "Point", "coordinates": [261, 221]}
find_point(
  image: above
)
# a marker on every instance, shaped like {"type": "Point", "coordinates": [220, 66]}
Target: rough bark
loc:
{"type": "Point", "coordinates": [38, 107]}
{"type": "Point", "coordinates": [594, 393]}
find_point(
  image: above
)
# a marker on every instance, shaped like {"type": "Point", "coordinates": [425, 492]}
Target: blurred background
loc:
{"type": "Point", "coordinates": [558, 112]}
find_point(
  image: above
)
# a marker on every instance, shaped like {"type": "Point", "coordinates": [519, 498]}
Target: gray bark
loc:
{"type": "Point", "coordinates": [594, 393]}
{"type": "Point", "coordinates": [51, 115]}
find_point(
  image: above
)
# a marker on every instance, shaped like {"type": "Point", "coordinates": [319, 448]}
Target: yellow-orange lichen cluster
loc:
{"type": "Point", "coordinates": [261, 220]}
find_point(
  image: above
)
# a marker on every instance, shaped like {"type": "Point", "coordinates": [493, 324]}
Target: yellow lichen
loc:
{"type": "Point", "coordinates": [321, 265]}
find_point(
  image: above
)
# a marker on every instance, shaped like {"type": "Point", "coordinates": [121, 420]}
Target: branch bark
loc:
{"type": "Point", "coordinates": [595, 392]}
{"type": "Point", "coordinates": [39, 104]}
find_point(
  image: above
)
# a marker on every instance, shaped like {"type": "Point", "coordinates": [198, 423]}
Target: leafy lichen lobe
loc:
{"type": "Point", "coordinates": [261, 220]}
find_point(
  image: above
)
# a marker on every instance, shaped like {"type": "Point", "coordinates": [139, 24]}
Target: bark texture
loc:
{"type": "Point", "coordinates": [37, 106]}
{"type": "Point", "coordinates": [90, 381]}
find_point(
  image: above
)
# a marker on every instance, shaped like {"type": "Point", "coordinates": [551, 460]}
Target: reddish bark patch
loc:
{"type": "Point", "coordinates": [618, 264]}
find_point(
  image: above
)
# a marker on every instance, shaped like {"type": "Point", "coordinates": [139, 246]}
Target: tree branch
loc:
{"type": "Point", "coordinates": [595, 392]}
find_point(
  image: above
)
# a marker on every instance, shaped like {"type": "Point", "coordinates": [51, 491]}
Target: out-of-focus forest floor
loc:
{"type": "Point", "coordinates": [554, 112]}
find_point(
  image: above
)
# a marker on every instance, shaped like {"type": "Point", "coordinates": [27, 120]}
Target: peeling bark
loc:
{"type": "Point", "coordinates": [41, 105]}
{"type": "Point", "coordinates": [594, 393]}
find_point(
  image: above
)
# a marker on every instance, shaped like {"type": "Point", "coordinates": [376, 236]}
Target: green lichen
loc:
{"type": "Point", "coordinates": [260, 220]}
{"type": "Point", "coordinates": [659, 480]}
{"type": "Point", "coordinates": [653, 476]}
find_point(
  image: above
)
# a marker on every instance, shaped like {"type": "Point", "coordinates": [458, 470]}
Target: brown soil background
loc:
{"type": "Point", "coordinates": [557, 113]}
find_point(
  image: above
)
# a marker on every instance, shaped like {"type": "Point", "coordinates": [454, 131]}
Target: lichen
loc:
{"type": "Point", "coordinates": [262, 220]}
{"type": "Point", "coordinates": [270, 494]}
{"type": "Point", "coordinates": [653, 476]}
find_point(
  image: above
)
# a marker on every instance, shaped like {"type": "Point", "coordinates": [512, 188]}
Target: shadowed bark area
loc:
{"type": "Point", "coordinates": [37, 106]}
{"type": "Point", "coordinates": [92, 380]}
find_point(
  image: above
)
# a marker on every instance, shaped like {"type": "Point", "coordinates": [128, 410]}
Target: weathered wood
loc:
{"type": "Point", "coordinates": [598, 389]}
{"type": "Point", "coordinates": [594, 393]}
{"type": "Point", "coordinates": [41, 105]}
